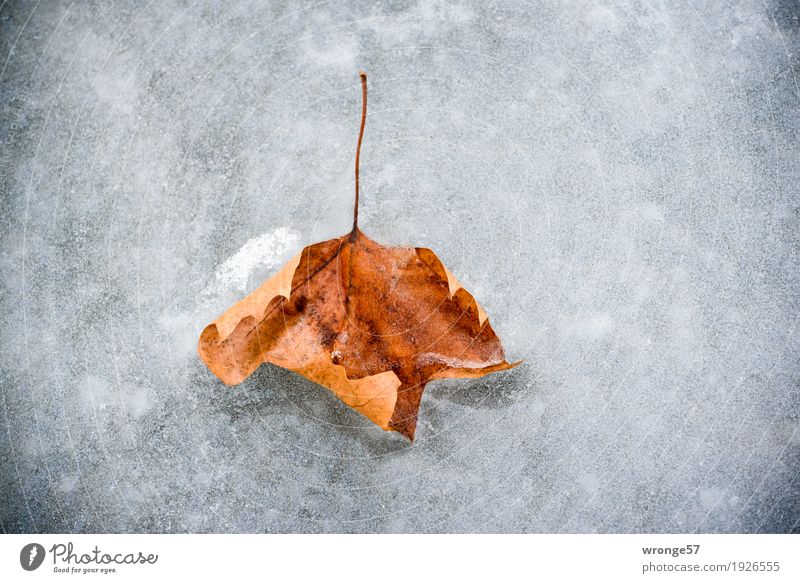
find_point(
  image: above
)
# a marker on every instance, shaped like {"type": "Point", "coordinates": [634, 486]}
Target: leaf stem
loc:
{"type": "Point", "coordinates": [363, 76]}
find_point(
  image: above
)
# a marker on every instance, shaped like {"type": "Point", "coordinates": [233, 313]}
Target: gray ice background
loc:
{"type": "Point", "coordinates": [616, 182]}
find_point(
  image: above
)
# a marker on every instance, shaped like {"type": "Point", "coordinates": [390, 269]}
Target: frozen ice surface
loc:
{"type": "Point", "coordinates": [616, 182]}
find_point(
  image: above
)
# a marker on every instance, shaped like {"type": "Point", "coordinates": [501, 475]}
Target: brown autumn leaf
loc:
{"type": "Point", "coordinates": [371, 323]}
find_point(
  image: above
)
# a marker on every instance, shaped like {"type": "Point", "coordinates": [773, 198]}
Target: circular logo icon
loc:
{"type": "Point", "coordinates": [31, 556]}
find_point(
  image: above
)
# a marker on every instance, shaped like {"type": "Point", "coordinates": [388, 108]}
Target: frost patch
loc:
{"type": "Point", "coordinates": [266, 251]}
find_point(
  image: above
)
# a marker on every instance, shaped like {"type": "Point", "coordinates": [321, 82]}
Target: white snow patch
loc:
{"type": "Point", "coordinates": [266, 251]}
{"type": "Point", "coordinates": [246, 268]}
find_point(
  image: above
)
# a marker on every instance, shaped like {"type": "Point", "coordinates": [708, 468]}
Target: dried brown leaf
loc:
{"type": "Point", "coordinates": [371, 323]}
